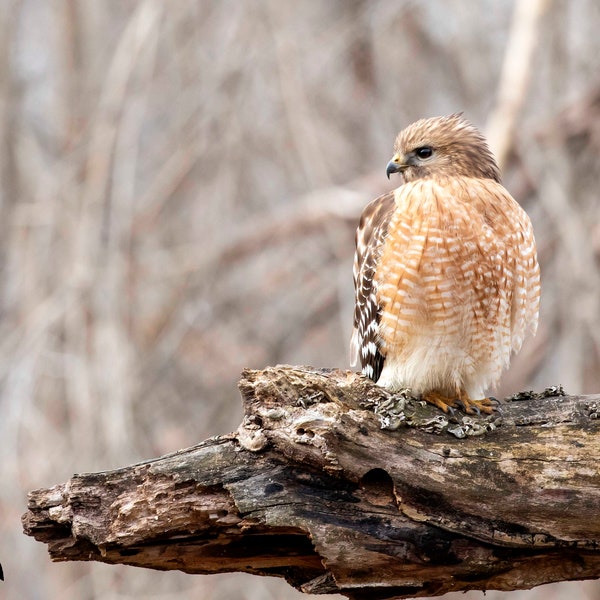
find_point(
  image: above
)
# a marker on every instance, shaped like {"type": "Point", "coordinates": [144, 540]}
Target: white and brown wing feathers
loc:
{"type": "Point", "coordinates": [370, 237]}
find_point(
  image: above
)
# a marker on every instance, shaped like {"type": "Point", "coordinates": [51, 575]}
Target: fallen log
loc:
{"type": "Point", "coordinates": [341, 487]}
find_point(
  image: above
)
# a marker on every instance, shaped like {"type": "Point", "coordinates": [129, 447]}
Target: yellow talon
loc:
{"type": "Point", "coordinates": [485, 405]}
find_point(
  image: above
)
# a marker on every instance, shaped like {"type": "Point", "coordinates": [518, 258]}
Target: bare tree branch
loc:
{"type": "Point", "coordinates": [516, 75]}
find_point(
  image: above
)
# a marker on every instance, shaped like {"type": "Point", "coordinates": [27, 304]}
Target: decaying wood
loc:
{"type": "Point", "coordinates": [313, 489]}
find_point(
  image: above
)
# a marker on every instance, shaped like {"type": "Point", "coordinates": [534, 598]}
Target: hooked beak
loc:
{"type": "Point", "coordinates": [395, 166]}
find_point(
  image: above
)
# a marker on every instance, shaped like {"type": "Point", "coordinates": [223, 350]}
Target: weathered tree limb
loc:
{"type": "Point", "coordinates": [311, 488]}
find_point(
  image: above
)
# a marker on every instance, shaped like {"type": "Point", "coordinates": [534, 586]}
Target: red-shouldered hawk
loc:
{"type": "Point", "coordinates": [445, 272]}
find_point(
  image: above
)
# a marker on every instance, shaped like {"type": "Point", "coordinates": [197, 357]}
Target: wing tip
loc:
{"type": "Point", "coordinates": [354, 348]}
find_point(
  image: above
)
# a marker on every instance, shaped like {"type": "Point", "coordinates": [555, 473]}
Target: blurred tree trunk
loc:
{"type": "Point", "coordinates": [339, 487]}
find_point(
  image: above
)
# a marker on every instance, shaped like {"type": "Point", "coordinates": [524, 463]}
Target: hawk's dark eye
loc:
{"type": "Point", "coordinates": [424, 151]}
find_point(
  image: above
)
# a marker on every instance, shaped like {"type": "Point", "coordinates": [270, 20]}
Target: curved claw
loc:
{"type": "Point", "coordinates": [497, 408]}
{"type": "Point", "coordinates": [470, 407]}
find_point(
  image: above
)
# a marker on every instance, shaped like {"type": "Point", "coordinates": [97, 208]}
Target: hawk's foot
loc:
{"type": "Point", "coordinates": [486, 405]}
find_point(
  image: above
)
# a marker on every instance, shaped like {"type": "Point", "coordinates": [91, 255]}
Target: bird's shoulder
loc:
{"type": "Point", "coordinates": [377, 212]}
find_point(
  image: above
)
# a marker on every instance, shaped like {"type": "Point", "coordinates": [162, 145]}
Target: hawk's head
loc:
{"type": "Point", "coordinates": [442, 146]}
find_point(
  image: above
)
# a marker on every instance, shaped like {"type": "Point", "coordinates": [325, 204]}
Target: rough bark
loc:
{"type": "Point", "coordinates": [313, 489]}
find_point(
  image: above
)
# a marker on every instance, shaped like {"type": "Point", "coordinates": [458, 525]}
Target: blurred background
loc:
{"type": "Point", "coordinates": [179, 187]}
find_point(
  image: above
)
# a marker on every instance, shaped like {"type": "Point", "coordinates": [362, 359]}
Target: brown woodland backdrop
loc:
{"type": "Point", "coordinates": [179, 188]}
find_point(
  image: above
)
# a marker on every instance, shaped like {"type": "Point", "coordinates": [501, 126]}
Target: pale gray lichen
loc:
{"type": "Point", "coordinates": [391, 410]}
{"type": "Point", "coordinates": [549, 392]}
